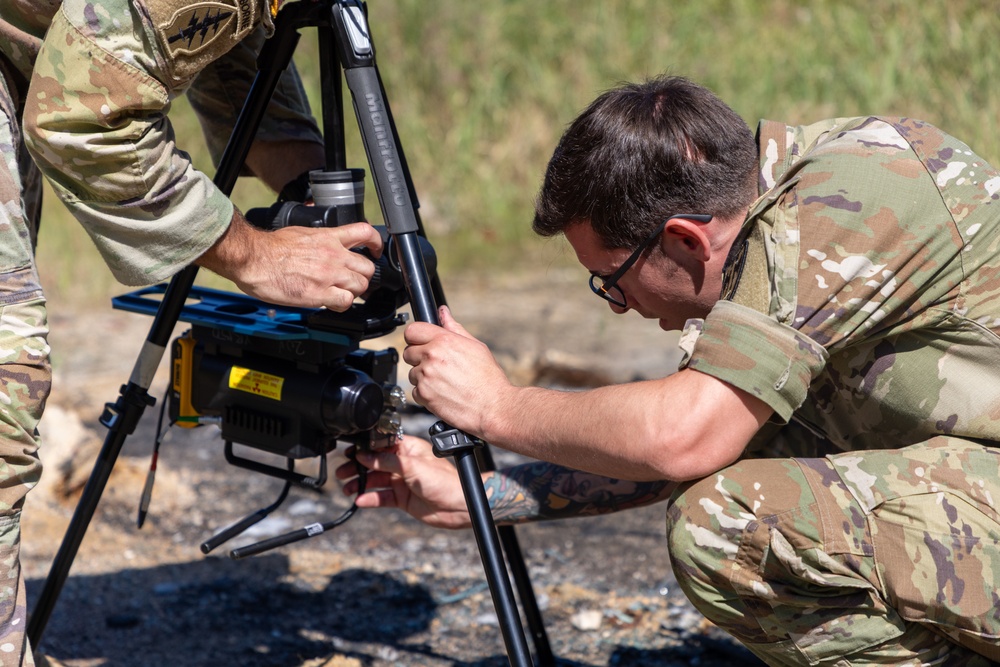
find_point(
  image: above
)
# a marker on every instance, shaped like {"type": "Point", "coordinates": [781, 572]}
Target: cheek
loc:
{"type": "Point", "coordinates": [643, 292]}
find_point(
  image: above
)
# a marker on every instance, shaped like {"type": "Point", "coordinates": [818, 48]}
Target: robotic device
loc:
{"type": "Point", "coordinates": [284, 381]}
{"type": "Point", "coordinates": [291, 383]}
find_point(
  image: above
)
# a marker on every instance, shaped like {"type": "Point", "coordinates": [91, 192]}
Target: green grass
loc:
{"type": "Point", "coordinates": [482, 91]}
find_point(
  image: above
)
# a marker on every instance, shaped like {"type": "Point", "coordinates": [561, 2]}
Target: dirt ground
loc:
{"type": "Point", "coordinates": [380, 590]}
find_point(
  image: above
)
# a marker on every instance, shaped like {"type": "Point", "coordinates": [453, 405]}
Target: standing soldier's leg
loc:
{"type": "Point", "coordinates": [866, 558]}
{"type": "Point", "coordinates": [24, 373]}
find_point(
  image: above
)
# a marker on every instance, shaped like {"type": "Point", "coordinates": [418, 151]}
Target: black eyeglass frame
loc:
{"type": "Point", "coordinates": [603, 289]}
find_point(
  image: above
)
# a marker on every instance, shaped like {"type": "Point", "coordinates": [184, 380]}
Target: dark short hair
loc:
{"type": "Point", "coordinates": [644, 151]}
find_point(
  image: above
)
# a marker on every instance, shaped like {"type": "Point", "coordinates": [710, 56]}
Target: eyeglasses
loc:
{"type": "Point", "coordinates": [607, 288]}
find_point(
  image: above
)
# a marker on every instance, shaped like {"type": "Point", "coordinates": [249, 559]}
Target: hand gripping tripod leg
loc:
{"type": "Point", "coordinates": [345, 46]}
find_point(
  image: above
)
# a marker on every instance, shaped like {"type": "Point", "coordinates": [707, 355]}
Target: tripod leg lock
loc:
{"type": "Point", "coordinates": [125, 412]}
{"type": "Point", "coordinates": [449, 441]}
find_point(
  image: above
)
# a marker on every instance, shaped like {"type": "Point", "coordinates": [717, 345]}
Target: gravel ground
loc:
{"type": "Point", "coordinates": [380, 590]}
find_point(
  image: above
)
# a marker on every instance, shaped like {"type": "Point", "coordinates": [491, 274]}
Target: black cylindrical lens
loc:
{"type": "Point", "coordinates": [351, 402]}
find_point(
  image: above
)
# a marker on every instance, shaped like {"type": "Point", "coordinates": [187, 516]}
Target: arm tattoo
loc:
{"type": "Point", "coordinates": [539, 491]}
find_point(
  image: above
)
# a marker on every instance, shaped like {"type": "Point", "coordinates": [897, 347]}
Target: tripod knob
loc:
{"type": "Point", "coordinates": [449, 441]}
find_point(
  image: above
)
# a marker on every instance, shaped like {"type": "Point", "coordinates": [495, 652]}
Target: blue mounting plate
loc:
{"type": "Point", "coordinates": [233, 312]}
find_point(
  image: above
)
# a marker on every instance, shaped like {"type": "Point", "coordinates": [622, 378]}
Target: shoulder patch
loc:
{"type": "Point", "coordinates": [732, 271]}
{"type": "Point", "coordinates": [745, 275]}
{"type": "Point", "coordinates": [194, 28]}
{"type": "Point", "coordinates": [193, 33]}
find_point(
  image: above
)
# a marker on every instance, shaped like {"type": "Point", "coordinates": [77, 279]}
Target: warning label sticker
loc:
{"type": "Point", "coordinates": [255, 382]}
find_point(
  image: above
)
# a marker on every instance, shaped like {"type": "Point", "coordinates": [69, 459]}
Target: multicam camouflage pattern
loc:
{"type": "Point", "coordinates": [22, 27]}
{"type": "Point", "coordinates": [25, 379]}
{"type": "Point", "coordinates": [882, 242]}
{"type": "Point", "coordinates": [879, 351]}
{"type": "Point", "coordinates": [880, 558]}
{"type": "Point", "coordinates": [95, 118]}
{"type": "Point", "coordinates": [25, 375]}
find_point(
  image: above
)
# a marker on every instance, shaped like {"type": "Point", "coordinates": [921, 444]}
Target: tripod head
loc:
{"type": "Point", "coordinates": [336, 198]}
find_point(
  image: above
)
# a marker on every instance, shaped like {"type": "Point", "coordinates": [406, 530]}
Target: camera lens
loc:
{"type": "Point", "coordinates": [352, 402]}
{"type": "Point", "coordinates": [338, 188]}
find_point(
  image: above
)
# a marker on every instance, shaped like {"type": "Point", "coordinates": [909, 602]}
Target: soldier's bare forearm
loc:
{"type": "Point", "coordinates": [542, 491]}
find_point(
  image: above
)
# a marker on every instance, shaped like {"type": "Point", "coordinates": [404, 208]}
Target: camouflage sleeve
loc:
{"type": "Point", "coordinates": [755, 353]}
{"type": "Point", "coordinates": [218, 92]}
{"type": "Point", "coordinates": [95, 121]}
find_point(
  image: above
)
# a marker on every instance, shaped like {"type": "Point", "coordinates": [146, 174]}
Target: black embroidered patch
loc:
{"type": "Point", "coordinates": [732, 271]}
{"type": "Point", "coordinates": [195, 27]}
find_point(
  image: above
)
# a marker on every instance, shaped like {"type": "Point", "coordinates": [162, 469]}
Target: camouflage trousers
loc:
{"type": "Point", "coordinates": [885, 557]}
{"type": "Point", "coordinates": [24, 372]}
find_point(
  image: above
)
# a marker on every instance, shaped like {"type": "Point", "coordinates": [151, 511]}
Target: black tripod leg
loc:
{"type": "Point", "coordinates": [456, 444]}
{"type": "Point", "coordinates": [121, 418]}
{"type": "Point", "coordinates": [507, 534]}
{"type": "Point", "coordinates": [522, 580]}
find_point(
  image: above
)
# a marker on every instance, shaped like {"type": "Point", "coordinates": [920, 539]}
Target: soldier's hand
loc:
{"type": "Point", "coordinates": [296, 266]}
{"type": "Point", "coordinates": [410, 477]}
{"type": "Point", "coordinates": [454, 375]}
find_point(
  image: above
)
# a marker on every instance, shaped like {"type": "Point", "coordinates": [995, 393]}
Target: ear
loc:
{"type": "Point", "coordinates": [689, 236]}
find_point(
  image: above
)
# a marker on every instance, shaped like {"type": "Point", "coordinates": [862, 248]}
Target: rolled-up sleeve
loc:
{"type": "Point", "coordinates": [95, 122]}
{"type": "Point", "coordinates": [755, 353]}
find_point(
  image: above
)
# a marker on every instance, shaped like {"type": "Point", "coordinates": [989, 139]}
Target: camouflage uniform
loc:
{"type": "Point", "coordinates": [102, 75]}
{"type": "Point", "coordinates": [862, 303]}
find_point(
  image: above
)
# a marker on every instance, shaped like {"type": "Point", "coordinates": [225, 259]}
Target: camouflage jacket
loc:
{"type": "Point", "coordinates": [862, 297]}
{"type": "Point", "coordinates": [102, 77]}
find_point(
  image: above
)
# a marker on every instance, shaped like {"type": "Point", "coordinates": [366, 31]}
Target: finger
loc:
{"type": "Point", "coordinates": [336, 299]}
{"type": "Point", "coordinates": [348, 470]}
{"type": "Point", "coordinates": [420, 333]}
{"type": "Point", "coordinates": [379, 498]}
{"type": "Point", "coordinates": [415, 395]}
{"type": "Point", "coordinates": [340, 296]}
{"type": "Point", "coordinates": [354, 278]}
{"type": "Point", "coordinates": [373, 481]}
{"type": "Point", "coordinates": [412, 446]}
{"type": "Point", "coordinates": [360, 234]}
{"type": "Point", "coordinates": [384, 460]}
{"type": "Point", "coordinates": [412, 377]}
{"type": "Point", "coordinates": [411, 355]}
{"type": "Point", "coordinates": [451, 324]}
{"type": "Point", "coordinates": [350, 488]}
{"type": "Point", "coordinates": [359, 264]}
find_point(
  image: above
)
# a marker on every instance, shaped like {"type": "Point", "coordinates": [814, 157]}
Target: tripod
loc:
{"type": "Point", "coordinates": [346, 49]}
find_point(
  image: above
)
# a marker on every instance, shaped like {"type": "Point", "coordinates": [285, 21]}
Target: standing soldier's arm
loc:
{"type": "Point", "coordinates": [95, 121]}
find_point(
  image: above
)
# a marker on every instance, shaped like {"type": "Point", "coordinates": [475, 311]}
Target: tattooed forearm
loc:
{"type": "Point", "coordinates": [539, 491]}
